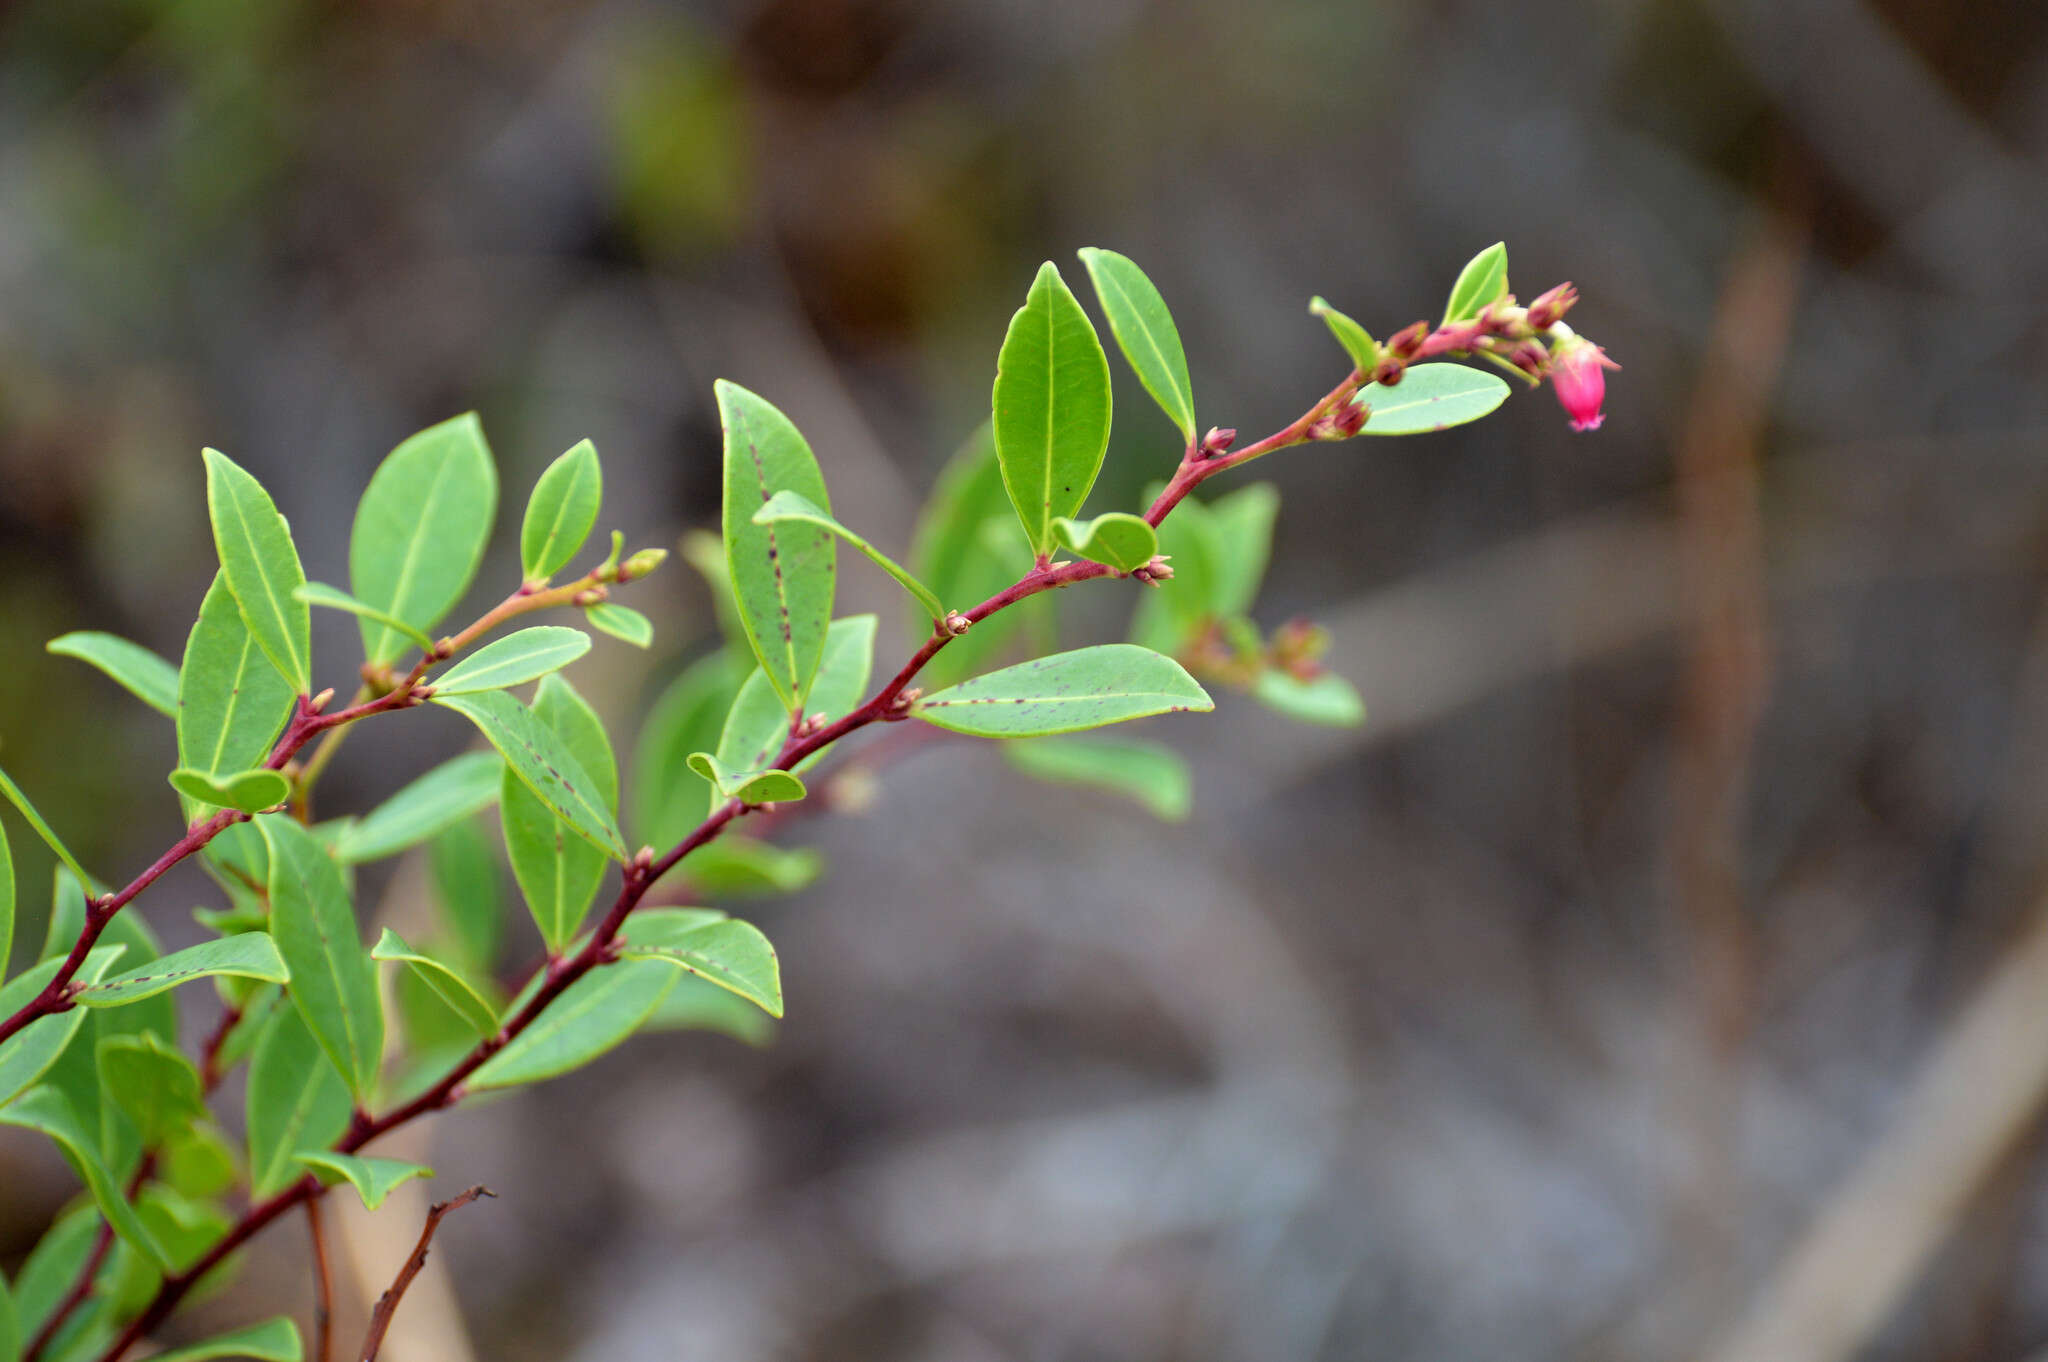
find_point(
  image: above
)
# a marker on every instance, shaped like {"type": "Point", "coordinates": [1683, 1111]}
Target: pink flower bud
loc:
{"type": "Point", "coordinates": [1546, 311]}
{"type": "Point", "coordinates": [1575, 372]}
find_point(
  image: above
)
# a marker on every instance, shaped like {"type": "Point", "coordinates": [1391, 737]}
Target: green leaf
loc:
{"type": "Point", "coordinates": [373, 1179]}
{"type": "Point", "coordinates": [749, 787]}
{"type": "Point", "coordinates": [250, 955]}
{"type": "Point", "coordinates": [1145, 332]}
{"type": "Point", "coordinates": [1065, 693]}
{"type": "Point", "coordinates": [420, 530]}
{"type": "Point", "coordinates": [1154, 776]}
{"type": "Point", "coordinates": [6, 905]}
{"type": "Point", "coordinates": [1052, 407]}
{"type": "Point", "coordinates": [695, 1004]}
{"type": "Point", "coordinates": [142, 673]}
{"type": "Point", "coordinates": [47, 1111]}
{"type": "Point", "coordinates": [744, 867]}
{"type": "Point", "coordinates": [1328, 699]}
{"type": "Point", "coordinates": [538, 758]}
{"type": "Point", "coordinates": [756, 726]}
{"type": "Point", "coordinates": [156, 1087]}
{"type": "Point", "coordinates": [26, 1054]}
{"type": "Point", "coordinates": [561, 512]}
{"type": "Point", "coordinates": [334, 598]}
{"type": "Point", "coordinates": [439, 799]}
{"type": "Point", "coordinates": [788, 506]}
{"type": "Point", "coordinates": [249, 791]}
{"type": "Point", "coordinates": [333, 984]}
{"type": "Point", "coordinates": [594, 1014]}
{"type": "Point", "coordinates": [1118, 538]}
{"type": "Point", "coordinates": [296, 1101]}
{"type": "Point", "coordinates": [621, 622]}
{"type": "Point", "coordinates": [733, 955]}
{"type": "Point", "coordinates": [467, 893]}
{"type": "Point", "coordinates": [1482, 282]}
{"type": "Point", "coordinates": [1431, 397]}
{"type": "Point", "coordinates": [10, 1325]}
{"type": "Point", "coordinates": [274, 1340]}
{"type": "Point", "coordinates": [1356, 340]}
{"type": "Point", "coordinates": [559, 874]}
{"type": "Point", "coordinates": [262, 568]}
{"type": "Point", "coordinates": [1241, 525]}
{"type": "Point", "coordinates": [199, 1162]}
{"type": "Point", "coordinates": [782, 576]}
{"type": "Point", "coordinates": [231, 702]}
{"type": "Point", "coordinates": [514, 660]}
{"type": "Point", "coordinates": [460, 995]}
{"type": "Point", "coordinates": [969, 546]}
{"type": "Point", "coordinates": [42, 829]}
{"type": "Point", "coordinates": [667, 798]}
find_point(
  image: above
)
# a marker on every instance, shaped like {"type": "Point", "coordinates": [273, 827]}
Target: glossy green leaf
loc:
{"type": "Point", "coordinates": [621, 622]}
{"type": "Point", "coordinates": [274, 1340]}
{"type": "Point", "coordinates": [373, 1179]}
{"type": "Point", "coordinates": [1431, 397]}
{"type": "Point", "coordinates": [1482, 282]}
{"type": "Point", "coordinates": [333, 984]}
{"type": "Point", "coordinates": [1118, 538]}
{"type": "Point", "coordinates": [467, 894]}
{"type": "Point", "coordinates": [10, 1325]}
{"type": "Point", "coordinates": [29, 1052]}
{"type": "Point", "coordinates": [1356, 340]}
{"type": "Point", "coordinates": [733, 955]}
{"type": "Point", "coordinates": [561, 512]}
{"type": "Point", "coordinates": [42, 829]}
{"type": "Point", "coordinates": [250, 955]}
{"type": "Point", "coordinates": [756, 726]}
{"type": "Point", "coordinates": [296, 1101]}
{"type": "Point", "coordinates": [142, 673]}
{"type": "Point", "coordinates": [1145, 332]}
{"type": "Point", "coordinates": [695, 1004]}
{"type": "Point", "coordinates": [1066, 693]}
{"type": "Point", "coordinates": [462, 996]}
{"type": "Point", "coordinates": [439, 799]}
{"type": "Point", "coordinates": [794, 507]}
{"type": "Point", "coordinates": [538, 758]}
{"type": "Point", "coordinates": [1051, 407]}
{"type": "Point", "coordinates": [559, 873]}
{"type": "Point", "coordinates": [1154, 776]}
{"type": "Point", "coordinates": [199, 1162]}
{"type": "Point", "coordinates": [593, 1015]}
{"type": "Point", "coordinates": [782, 575]}
{"type": "Point", "coordinates": [749, 787]}
{"type": "Point", "coordinates": [158, 1088]}
{"type": "Point", "coordinates": [249, 791]}
{"type": "Point", "coordinates": [334, 598]}
{"type": "Point", "coordinates": [420, 530]}
{"type": "Point", "coordinates": [231, 702]}
{"type": "Point", "coordinates": [744, 867]}
{"type": "Point", "coordinates": [1241, 531]}
{"type": "Point", "coordinates": [514, 660]}
{"type": "Point", "coordinates": [1328, 699]}
{"type": "Point", "coordinates": [261, 565]}
{"type": "Point", "coordinates": [47, 1111]}
{"type": "Point", "coordinates": [667, 799]}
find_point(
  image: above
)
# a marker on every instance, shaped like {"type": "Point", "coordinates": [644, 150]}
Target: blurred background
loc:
{"type": "Point", "coordinates": [1661, 972]}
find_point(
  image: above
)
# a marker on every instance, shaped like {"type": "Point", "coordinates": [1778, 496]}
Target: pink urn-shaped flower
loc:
{"type": "Point", "coordinates": [1576, 372]}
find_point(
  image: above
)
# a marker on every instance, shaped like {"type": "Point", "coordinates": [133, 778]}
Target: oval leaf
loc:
{"type": "Point", "coordinates": [1154, 776]}
{"type": "Point", "coordinates": [249, 791]}
{"type": "Point", "coordinates": [158, 1088]}
{"type": "Point", "coordinates": [559, 873]}
{"type": "Point", "coordinates": [795, 506]}
{"type": "Point", "coordinates": [1051, 407]}
{"type": "Point", "coordinates": [333, 984]}
{"type": "Point", "coordinates": [1431, 397]}
{"type": "Point", "coordinates": [1356, 340]}
{"type": "Point", "coordinates": [249, 955]}
{"type": "Point", "coordinates": [262, 568]}
{"type": "Point", "coordinates": [1145, 332]}
{"type": "Point", "coordinates": [1483, 281]}
{"type": "Point", "coordinates": [373, 1179]}
{"type": "Point", "coordinates": [439, 799]}
{"type": "Point", "coordinates": [141, 672]}
{"type": "Point", "coordinates": [534, 754]}
{"type": "Point", "coordinates": [513, 660]}
{"type": "Point", "coordinates": [561, 512]}
{"type": "Point", "coordinates": [748, 787]}
{"type": "Point", "coordinates": [621, 622]}
{"type": "Point", "coordinates": [232, 704]}
{"type": "Point", "coordinates": [419, 530]}
{"type": "Point", "coordinates": [334, 598]}
{"type": "Point", "coordinates": [1328, 699]}
{"type": "Point", "coordinates": [733, 955]}
{"type": "Point", "coordinates": [296, 1101]}
{"type": "Point", "coordinates": [460, 994]}
{"type": "Point", "coordinates": [274, 1340]}
{"type": "Point", "coordinates": [593, 1014]}
{"type": "Point", "coordinates": [1119, 539]}
{"type": "Point", "coordinates": [1065, 693]}
{"type": "Point", "coordinates": [782, 575]}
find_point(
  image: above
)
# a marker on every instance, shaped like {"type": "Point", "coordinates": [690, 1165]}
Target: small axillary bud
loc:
{"type": "Point", "coordinates": [319, 702]}
{"type": "Point", "coordinates": [1404, 343]}
{"type": "Point", "coordinates": [593, 596]}
{"type": "Point", "coordinates": [641, 563]}
{"type": "Point", "coordinates": [1343, 423]}
{"type": "Point", "coordinates": [1388, 372]}
{"type": "Point", "coordinates": [1550, 307]}
{"type": "Point", "coordinates": [813, 723]}
{"type": "Point", "coordinates": [1154, 572]}
{"type": "Point", "coordinates": [899, 705]}
{"type": "Point", "coordinates": [955, 623]}
{"type": "Point", "coordinates": [1218, 441]}
{"type": "Point", "coordinates": [1503, 318]}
